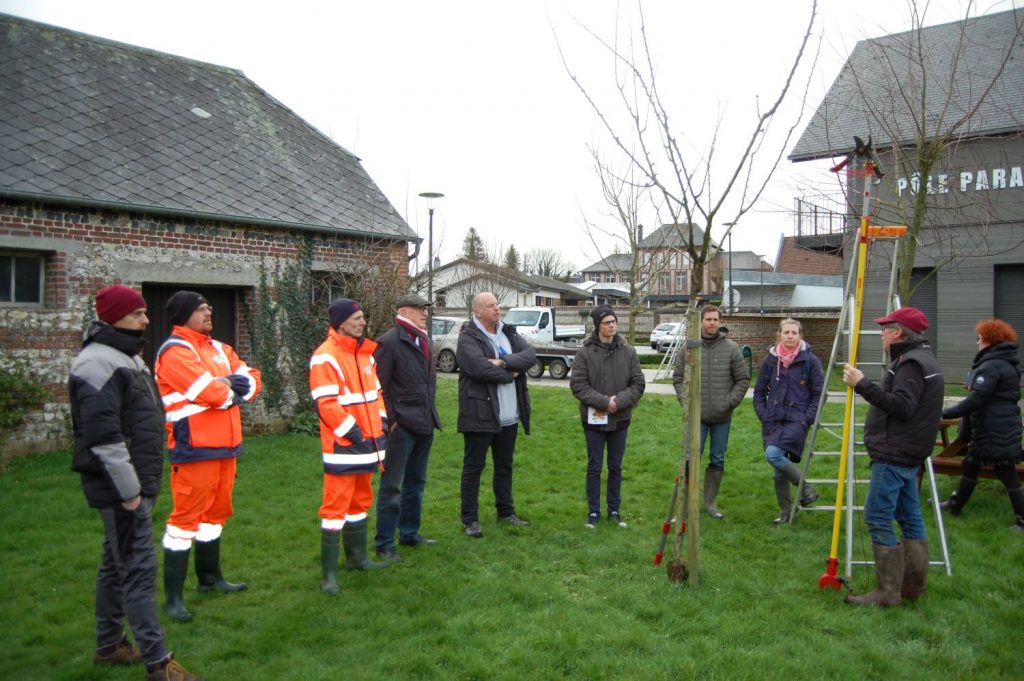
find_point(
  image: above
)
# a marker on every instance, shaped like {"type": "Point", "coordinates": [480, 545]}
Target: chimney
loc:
{"type": "Point", "coordinates": [639, 233]}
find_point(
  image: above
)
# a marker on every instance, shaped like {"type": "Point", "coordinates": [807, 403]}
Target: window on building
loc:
{"type": "Point", "coordinates": [327, 287]}
{"type": "Point", "coordinates": [664, 283]}
{"type": "Point", "coordinates": [21, 278]}
{"type": "Point", "coordinates": [681, 282]}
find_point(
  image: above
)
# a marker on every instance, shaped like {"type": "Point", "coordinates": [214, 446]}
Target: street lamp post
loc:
{"type": "Point", "coordinates": [730, 225]}
{"type": "Point", "coordinates": [431, 197]}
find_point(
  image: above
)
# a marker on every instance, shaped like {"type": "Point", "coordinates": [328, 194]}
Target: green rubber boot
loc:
{"type": "Point", "coordinates": [353, 537]}
{"type": "Point", "coordinates": [208, 569]}
{"type": "Point", "coordinates": [175, 572]}
{"type": "Point", "coordinates": [329, 550]}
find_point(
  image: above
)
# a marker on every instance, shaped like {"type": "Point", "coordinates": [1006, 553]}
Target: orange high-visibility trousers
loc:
{"type": "Point", "coordinates": [346, 497]}
{"type": "Point", "coordinates": [201, 492]}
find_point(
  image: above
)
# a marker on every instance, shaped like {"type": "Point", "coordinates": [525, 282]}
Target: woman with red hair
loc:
{"type": "Point", "coordinates": [991, 412]}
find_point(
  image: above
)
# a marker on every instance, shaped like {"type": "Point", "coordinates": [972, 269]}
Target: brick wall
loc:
{"type": "Point", "coordinates": [86, 250]}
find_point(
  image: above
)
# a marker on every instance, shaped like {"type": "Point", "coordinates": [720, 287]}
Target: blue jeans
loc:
{"type": "Point", "coordinates": [892, 495]}
{"type": "Point", "coordinates": [776, 456]}
{"type": "Point", "coordinates": [400, 494]}
{"type": "Point", "coordinates": [719, 442]}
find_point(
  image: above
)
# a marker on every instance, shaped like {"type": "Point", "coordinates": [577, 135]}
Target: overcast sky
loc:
{"type": "Point", "coordinates": [470, 98]}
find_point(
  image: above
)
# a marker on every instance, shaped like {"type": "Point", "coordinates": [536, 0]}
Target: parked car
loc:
{"type": "Point", "coordinates": [555, 357]}
{"type": "Point", "coordinates": [659, 331]}
{"type": "Point", "coordinates": [445, 343]}
{"type": "Point", "coordinates": [676, 335]}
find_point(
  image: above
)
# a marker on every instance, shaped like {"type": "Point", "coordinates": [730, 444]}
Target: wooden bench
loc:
{"type": "Point", "coordinates": [949, 459]}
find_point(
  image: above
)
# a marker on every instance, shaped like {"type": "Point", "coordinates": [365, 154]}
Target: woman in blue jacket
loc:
{"type": "Point", "coordinates": [786, 399]}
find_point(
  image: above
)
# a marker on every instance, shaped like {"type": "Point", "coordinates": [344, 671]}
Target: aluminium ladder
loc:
{"type": "Point", "coordinates": [820, 427]}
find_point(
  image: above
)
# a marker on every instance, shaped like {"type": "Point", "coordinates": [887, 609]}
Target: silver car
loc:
{"type": "Point", "coordinates": [446, 342]}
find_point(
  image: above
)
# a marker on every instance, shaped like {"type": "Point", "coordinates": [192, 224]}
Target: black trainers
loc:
{"type": "Point", "coordinates": [592, 520]}
{"type": "Point", "coordinates": [513, 520]}
{"type": "Point", "coordinates": [473, 530]}
{"type": "Point", "coordinates": [614, 517]}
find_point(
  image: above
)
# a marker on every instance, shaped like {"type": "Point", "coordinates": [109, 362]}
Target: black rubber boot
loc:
{"type": "Point", "coordinates": [1017, 501]}
{"type": "Point", "coordinates": [208, 569]}
{"type": "Point", "coordinates": [175, 572]}
{"type": "Point", "coordinates": [330, 548]}
{"type": "Point", "coordinates": [782, 496]}
{"type": "Point", "coordinates": [888, 578]}
{"type": "Point", "coordinates": [353, 537]}
{"type": "Point", "coordinates": [960, 496]}
{"type": "Point", "coordinates": [807, 495]}
{"type": "Point", "coordinates": [712, 482]}
{"type": "Point", "coordinates": [915, 569]}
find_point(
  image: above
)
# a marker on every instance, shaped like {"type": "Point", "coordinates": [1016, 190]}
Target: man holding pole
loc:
{"type": "Point", "coordinates": [899, 434]}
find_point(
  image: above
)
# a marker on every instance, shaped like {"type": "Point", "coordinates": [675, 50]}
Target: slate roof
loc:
{"type": "Point", "coordinates": [615, 262]}
{"type": "Point", "coordinates": [90, 121]}
{"type": "Point", "coordinates": [980, 42]}
{"type": "Point", "coordinates": [526, 281]}
{"type": "Point", "coordinates": [672, 236]}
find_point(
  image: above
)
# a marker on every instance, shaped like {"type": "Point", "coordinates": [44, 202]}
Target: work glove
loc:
{"type": "Point", "coordinates": [239, 384]}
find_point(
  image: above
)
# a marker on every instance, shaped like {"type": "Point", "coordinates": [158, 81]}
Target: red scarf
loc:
{"type": "Point", "coordinates": [418, 333]}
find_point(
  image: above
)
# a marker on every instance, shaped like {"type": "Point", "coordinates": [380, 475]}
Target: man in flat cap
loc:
{"type": "Point", "coordinates": [405, 366]}
{"type": "Point", "coordinates": [119, 453]}
{"type": "Point", "coordinates": [353, 435]}
{"type": "Point", "coordinates": [899, 434]}
{"type": "Point", "coordinates": [202, 382]}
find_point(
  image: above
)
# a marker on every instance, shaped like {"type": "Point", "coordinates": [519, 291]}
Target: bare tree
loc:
{"type": "Point", "coordinates": [624, 198]}
{"type": "Point", "coordinates": [922, 99]}
{"type": "Point", "coordinates": [681, 179]}
{"type": "Point", "coordinates": [545, 262]}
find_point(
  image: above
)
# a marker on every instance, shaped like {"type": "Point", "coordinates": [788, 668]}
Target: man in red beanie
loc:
{"type": "Point", "coordinates": [899, 434]}
{"type": "Point", "coordinates": [118, 453]}
{"type": "Point", "coordinates": [353, 423]}
{"type": "Point", "coordinates": [202, 382]}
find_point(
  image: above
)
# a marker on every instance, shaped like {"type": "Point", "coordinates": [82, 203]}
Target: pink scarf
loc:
{"type": "Point", "coordinates": [786, 357]}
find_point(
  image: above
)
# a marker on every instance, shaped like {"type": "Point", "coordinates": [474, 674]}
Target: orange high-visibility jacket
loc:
{"type": "Point", "coordinates": [346, 392]}
{"type": "Point", "coordinates": [203, 418]}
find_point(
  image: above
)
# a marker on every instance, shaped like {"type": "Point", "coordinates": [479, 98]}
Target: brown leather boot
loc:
{"type": "Point", "coordinates": [915, 569]}
{"type": "Point", "coordinates": [170, 669]}
{"type": "Point", "coordinates": [888, 578]}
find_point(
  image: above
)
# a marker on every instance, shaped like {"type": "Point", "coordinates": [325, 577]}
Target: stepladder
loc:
{"type": "Point", "coordinates": [849, 479]}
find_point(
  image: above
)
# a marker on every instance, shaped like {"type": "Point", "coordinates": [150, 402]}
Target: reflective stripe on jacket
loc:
{"type": "Point", "coordinates": [347, 396]}
{"type": "Point", "coordinates": [203, 418]}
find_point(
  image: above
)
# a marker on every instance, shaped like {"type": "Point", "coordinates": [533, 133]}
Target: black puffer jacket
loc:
{"type": "Point", "coordinates": [117, 417]}
{"type": "Point", "coordinates": [408, 381]}
{"type": "Point", "coordinates": [479, 378]}
{"type": "Point", "coordinates": [600, 371]}
{"type": "Point", "coordinates": [903, 420]}
{"type": "Point", "coordinates": [992, 426]}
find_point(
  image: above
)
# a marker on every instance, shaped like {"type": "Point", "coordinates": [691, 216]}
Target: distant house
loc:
{"type": "Point", "coordinates": [120, 164]}
{"type": "Point", "coordinates": [670, 268]}
{"type": "Point", "coordinates": [974, 225]}
{"type": "Point", "coordinates": [607, 280]}
{"type": "Point", "coordinates": [455, 284]}
{"type": "Point", "coordinates": [795, 257]}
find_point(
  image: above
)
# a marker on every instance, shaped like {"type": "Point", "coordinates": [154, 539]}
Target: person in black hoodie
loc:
{"type": "Point", "coordinates": [608, 382]}
{"type": "Point", "coordinates": [991, 414]}
{"type": "Point", "coordinates": [118, 424]}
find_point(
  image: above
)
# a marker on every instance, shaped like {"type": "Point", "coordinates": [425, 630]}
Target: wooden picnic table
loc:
{"type": "Point", "coordinates": [949, 459]}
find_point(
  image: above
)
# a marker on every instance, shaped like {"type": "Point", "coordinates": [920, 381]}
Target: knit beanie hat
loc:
{"type": "Point", "coordinates": [341, 309]}
{"type": "Point", "coordinates": [116, 302]}
{"type": "Point", "coordinates": [600, 313]}
{"type": "Point", "coordinates": [181, 305]}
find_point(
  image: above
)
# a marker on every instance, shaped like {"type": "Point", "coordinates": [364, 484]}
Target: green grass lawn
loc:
{"type": "Point", "coordinates": [550, 601]}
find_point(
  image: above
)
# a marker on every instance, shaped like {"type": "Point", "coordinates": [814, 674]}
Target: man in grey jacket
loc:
{"type": "Point", "coordinates": [493, 401]}
{"type": "Point", "coordinates": [724, 380]}
{"type": "Point", "coordinates": [118, 424]}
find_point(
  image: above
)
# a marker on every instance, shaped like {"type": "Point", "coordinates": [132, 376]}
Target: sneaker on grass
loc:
{"type": "Point", "coordinates": [617, 519]}
{"type": "Point", "coordinates": [592, 519]}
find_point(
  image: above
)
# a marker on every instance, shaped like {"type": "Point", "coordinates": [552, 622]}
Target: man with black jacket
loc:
{"type": "Point", "coordinates": [493, 400]}
{"type": "Point", "coordinates": [405, 368]}
{"type": "Point", "coordinates": [899, 434]}
{"type": "Point", "coordinates": [118, 423]}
